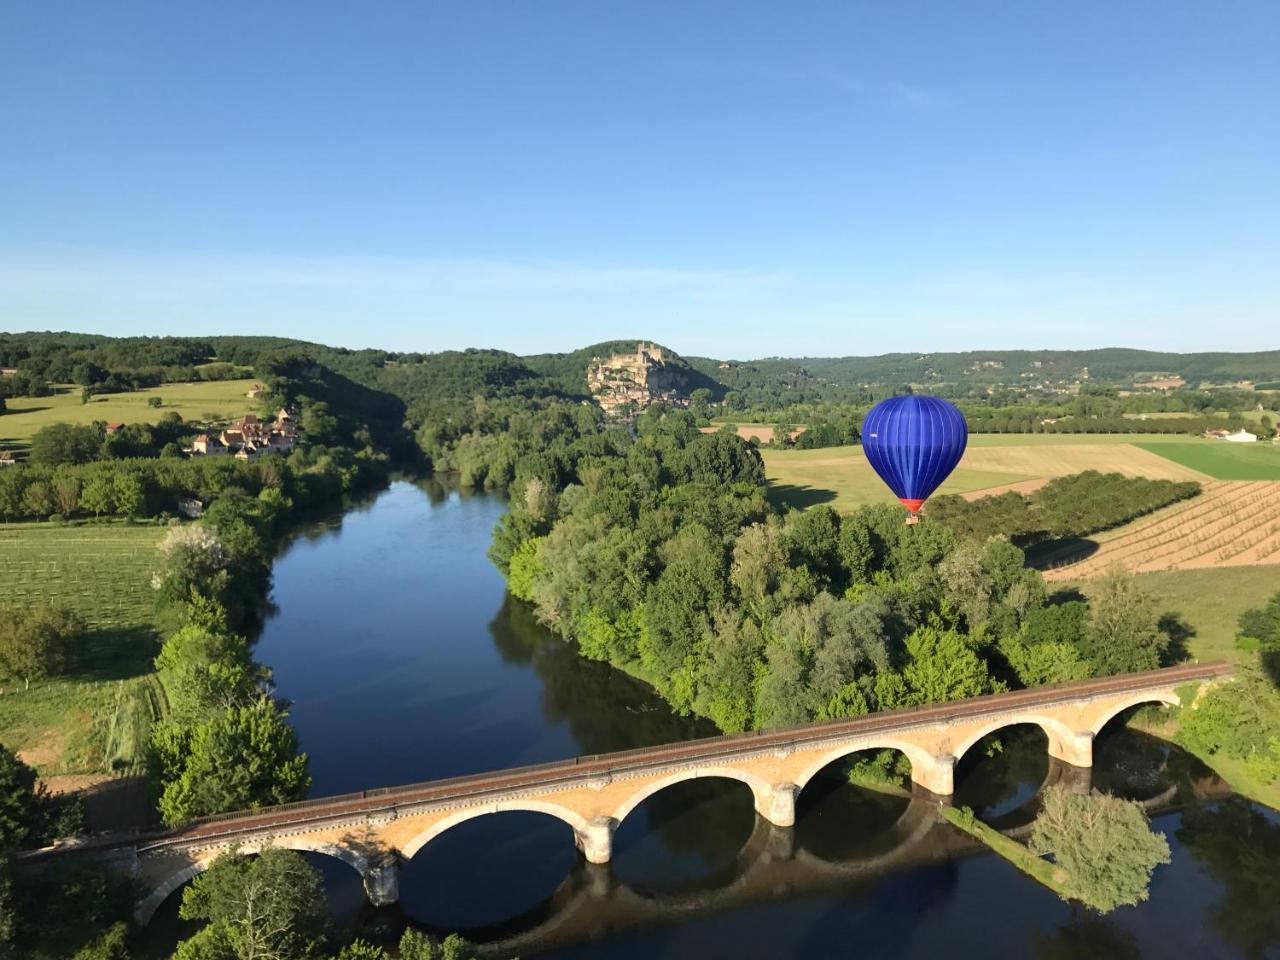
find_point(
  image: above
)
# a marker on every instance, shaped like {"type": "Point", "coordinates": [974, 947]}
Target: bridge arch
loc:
{"type": "Point", "coordinates": [579, 823]}
{"type": "Point", "coordinates": [761, 789]}
{"type": "Point", "coordinates": [1060, 735]}
{"type": "Point", "coordinates": [921, 760]}
{"type": "Point", "coordinates": [1116, 707]}
{"type": "Point", "coordinates": [161, 891]}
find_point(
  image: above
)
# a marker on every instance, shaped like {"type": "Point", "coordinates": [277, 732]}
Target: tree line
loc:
{"type": "Point", "coordinates": [1072, 506]}
{"type": "Point", "coordinates": [660, 554]}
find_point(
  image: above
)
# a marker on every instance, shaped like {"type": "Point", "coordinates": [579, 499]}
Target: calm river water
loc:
{"type": "Point", "coordinates": [405, 661]}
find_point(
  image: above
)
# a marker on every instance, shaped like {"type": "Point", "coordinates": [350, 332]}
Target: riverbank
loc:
{"type": "Point", "coordinates": [1037, 868]}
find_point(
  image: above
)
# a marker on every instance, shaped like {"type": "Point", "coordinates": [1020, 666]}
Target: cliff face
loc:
{"type": "Point", "coordinates": [635, 380]}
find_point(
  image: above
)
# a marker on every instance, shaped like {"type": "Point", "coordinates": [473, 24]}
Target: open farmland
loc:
{"type": "Point", "coordinates": [992, 463]}
{"type": "Point", "coordinates": [1208, 601]}
{"type": "Point", "coordinates": [1231, 524]}
{"type": "Point", "coordinates": [842, 477]}
{"type": "Point", "coordinates": [1222, 459]}
{"type": "Point", "coordinates": [96, 718]}
{"type": "Point", "coordinates": [211, 400]}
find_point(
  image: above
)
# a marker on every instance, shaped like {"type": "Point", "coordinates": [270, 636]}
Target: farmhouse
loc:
{"type": "Point", "coordinates": [205, 445]}
{"type": "Point", "coordinates": [1241, 436]}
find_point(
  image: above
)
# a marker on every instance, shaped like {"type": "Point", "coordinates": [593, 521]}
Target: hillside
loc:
{"type": "Point", "coordinates": [1110, 365]}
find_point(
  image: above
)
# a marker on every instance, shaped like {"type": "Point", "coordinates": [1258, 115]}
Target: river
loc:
{"type": "Point", "coordinates": [404, 660]}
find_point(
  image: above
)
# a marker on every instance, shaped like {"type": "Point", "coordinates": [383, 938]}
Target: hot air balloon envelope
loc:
{"type": "Point", "coordinates": [914, 443]}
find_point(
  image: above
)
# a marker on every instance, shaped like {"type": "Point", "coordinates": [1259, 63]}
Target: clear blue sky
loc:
{"type": "Point", "coordinates": [734, 179]}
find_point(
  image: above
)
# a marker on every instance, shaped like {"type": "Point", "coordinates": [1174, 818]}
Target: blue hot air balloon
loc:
{"type": "Point", "coordinates": [914, 443]}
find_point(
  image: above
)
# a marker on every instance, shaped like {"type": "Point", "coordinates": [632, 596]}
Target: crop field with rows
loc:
{"type": "Point", "coordinates": [1231, 524]}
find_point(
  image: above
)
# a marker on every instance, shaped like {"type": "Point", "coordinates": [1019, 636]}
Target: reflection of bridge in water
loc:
{"type": "Point", "coordinates": [592, 902]}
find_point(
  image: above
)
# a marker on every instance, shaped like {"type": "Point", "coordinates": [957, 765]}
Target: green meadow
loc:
{"type": "Point", "coordinates": [206, 400]}
{"type": "Point", "coordinates": [1222, 459]}
{"type": "Point", "coordinates": [96, 718]}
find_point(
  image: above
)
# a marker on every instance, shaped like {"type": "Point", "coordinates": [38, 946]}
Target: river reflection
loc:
{"type": "Point", "coordinates": [405, 661]}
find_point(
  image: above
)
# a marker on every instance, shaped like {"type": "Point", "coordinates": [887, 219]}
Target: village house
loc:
{"type": "Point", "coordinates": [207, 446]}
{"type": "Point", "coordinates": [249, 438]}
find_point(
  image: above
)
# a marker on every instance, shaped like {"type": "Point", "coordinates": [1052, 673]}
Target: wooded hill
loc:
{"type": "Point", "coordinates": [461, 375]}
{"type": "Point", "coordinates": [1110, 365]}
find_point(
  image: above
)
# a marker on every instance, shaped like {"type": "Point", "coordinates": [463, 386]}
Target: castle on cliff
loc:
{"type": "Point", "coordinates": [627, 382]}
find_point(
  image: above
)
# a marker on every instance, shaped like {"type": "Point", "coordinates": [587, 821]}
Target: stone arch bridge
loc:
{"type": "Point", "coordinates": [375, 830]}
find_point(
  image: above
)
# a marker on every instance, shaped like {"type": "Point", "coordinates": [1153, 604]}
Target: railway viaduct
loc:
{"type": "Point", "coordinates": [375, 830]}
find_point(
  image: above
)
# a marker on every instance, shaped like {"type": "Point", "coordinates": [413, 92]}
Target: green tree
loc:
{"type": "Point", "coordinates": [112, 945]}
{"type": "Point", "coordinates": [415, 945]}
{"type": "Point", "coordinates": [1041, 663]}
{"type": "Point", "coordinates": [66, 493]}
{"type": "Point", "coordinates": [66, 443]}
{"type": "Point", "coordinates": [205, 672]}
{"type": "Point", "coordinates": [266, 906]}
{"type": "Point", "coordinates": [361, 950]}
{"type": "Point", "coordinates": [941, 666]}
{"type": "Point", "coordinates": [1240, 719]}
{"type": "Point", "coordinates": [1104, 844]}
{"type": "Point", "coordinates": [759, 560]}
{"type": "Point", "coordinates": [243, 758]}
{"type": "Point", "coordinates": [18, 804]}
{"type": "Point", "coordinates": [193, 561]}
{"type": "Point", "coordinates": [128, 495]}
{"type": "Point", "coordinates": [1123, 634]}
{"type": "Point", "coordinates": [97, 497]}
{"type": "Point", "coordinates": [37, 643]}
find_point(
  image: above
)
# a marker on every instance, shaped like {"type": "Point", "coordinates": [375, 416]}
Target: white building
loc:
{"type": "Point", "coordinates": [1243, 436]}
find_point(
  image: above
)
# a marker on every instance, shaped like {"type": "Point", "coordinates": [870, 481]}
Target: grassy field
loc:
{"type": "Point", "coordinates": [842, 477]}
{"type": "Point", "coordinates": [1208, 601]}
{"type": "Point", "coordinates": [1223, 460]}
{"type": "Point", "coordinates": [95, 719]}
{"type": "Point", "coordinates": [214, 400]}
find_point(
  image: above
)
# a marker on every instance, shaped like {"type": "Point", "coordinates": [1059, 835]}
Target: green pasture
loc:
{"type": "Point", "coordinates": [1209, 602]}
{"type": "Point", "coordinates": [95, 719]}
{"type": "Point", "coordinates": [1222, 459]}
{"type": "Point", "coordinates": [211, 400]}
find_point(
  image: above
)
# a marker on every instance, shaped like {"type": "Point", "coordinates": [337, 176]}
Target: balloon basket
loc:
{"type": "Point", "coordinates": [913, 519]}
